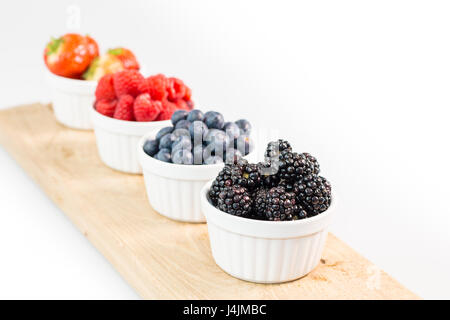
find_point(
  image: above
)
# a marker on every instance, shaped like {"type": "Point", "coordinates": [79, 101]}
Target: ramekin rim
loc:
{"type": "Point", "coordinates": [321, 216]}
{"type": "Point", "coordinates": [124, 122]}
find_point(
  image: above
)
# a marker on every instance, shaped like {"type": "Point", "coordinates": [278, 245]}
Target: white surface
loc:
{"type": "Point", "coordinates": [362, 85]}
{"type": "Point", "coordinates": [265, 251]}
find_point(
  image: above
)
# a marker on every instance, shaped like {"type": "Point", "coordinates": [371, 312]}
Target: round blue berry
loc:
{"type": "Point", "coordinates": [181, 132]}
{"type": "Point", "coordinates": [214, 120]}
{"type": "Point", "coordinates": [166, 141]}
{"type": "Point", "coordinates": [198, 131]}
{"type": "Point", "coordinates": [232, 130]}
{"type": "Point", "coordinates": [244, 144]}
{"type": "Point", "coordinates": [197, 151]}
{"type": "Point", "coordinates": [182, 156]}
{"type": "Point", "coordinates": [163, 132]}
{"type": "Point", "coordinates": [213, 160]}
{"type": "Point", "coordinates": [183, 124]}
{"type": "Point", "coordinates": [244, 126]}
{"type": "Point", "coordinates": [151, 147]}
{"type": "Point", "coordinates": [164, 155]}
{"type": "Point", "coordinates": [182, 142]}
{"type": "Point", "coordinates": [178, 115]}
{"type": "Point", "coordinates": [195, 115]}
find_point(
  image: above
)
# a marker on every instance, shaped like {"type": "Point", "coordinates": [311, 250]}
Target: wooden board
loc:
{"type": "Point", "coordinates": [160, 258]}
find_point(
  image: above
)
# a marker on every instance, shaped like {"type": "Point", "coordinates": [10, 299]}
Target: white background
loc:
{"type": "Point", "coordinates": [363, 85]}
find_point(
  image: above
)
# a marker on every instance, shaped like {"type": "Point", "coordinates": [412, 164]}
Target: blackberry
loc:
{"type": "Point", "coordinates": [235, 200]}
{"type": "Point", "coordinates": [294, 167]}
{"type": "Point", "coordinates": [314, 162]}
{"type": "Point", "coordinates": [314, 195]}
{"type": "Point", "coordinates": [268, 171]}
{"type": "Point", "coordinates": [280, 205]}
{"type": "Point", "coordinates": [275, 148]}
{"type": "Point", "coordinates": [259, 203]}
{"type": "Point", "coordinates": [225, 178]}
{"type": "Point", "coordinates": [249, 177]}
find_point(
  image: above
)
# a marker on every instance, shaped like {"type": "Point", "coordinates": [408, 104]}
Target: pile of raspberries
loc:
{"type": "Point", "coordinates": [127, 95]}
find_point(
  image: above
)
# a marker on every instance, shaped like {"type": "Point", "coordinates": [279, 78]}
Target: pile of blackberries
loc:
{"type": "Point", "coordinates": [285, 186]}
{"type": "Point", "coordinates": [197, 138]}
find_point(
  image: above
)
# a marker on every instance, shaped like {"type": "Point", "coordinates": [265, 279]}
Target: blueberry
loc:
{"type": "Point", "coordinates": [218, 138]}
{"type": "Point", "coordinates": [182, 142]}
{"type": "Point", "coordinates": [166, 141]}
{"type": "Point", "coordinates": [164, 155]}
{"type": "Point", "coordinates": [214, 120]}
{"type": "Point", "coordinates": [198, 154]}
{"type": "Point", "coordinates": [244, 144]}
{"type": "Point", "coordinates": [209, 151]}
{"type": "Point", "coordinates": [182, 156]}
{"type": "Point", "coordinates": [151, 147]}
{"type": "Point", "coordinates": [163, 132]}
{"type": "Point", "coordinates": [232, 155]}
{"type": "Point", "coordinates": [208, 114]}
{"type": "Point", "coordinates": [183, 124]}
{"type": "Point", "coordinates": [178, 115]}
{"type": "Point", "coordinates": [213, 160]}
{"type": "Point", "coordinates": [195, 115]}
{"type": "Point", "coordinates": [181, 132]}
{"type": "Point", "coordinates": [244, 126]}
{"type": "Point", "coordinates": [232, 130]}
{"type": "Point", "coordinates": [198, 131]}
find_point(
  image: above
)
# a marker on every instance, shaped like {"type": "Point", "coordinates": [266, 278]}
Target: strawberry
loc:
{"type": "Point", "coordinates": [124, 109]}
{"type": "Point", "coordinates": [70, 55]}
{"type": "Point", "coordinates": [113, 61]}
{"type": "Point", "coordinates": [146, 109]}
{"type": "Point", "coordinates": [106, 107]}
{"type": "Point", "coordinates": [128, 82]}
{"type": "Point", "coordinates": [105, 88]}
{"type": "Point", "coordinates": [175, 89]}
{"type": "Point", "coordinates": [126, 57]}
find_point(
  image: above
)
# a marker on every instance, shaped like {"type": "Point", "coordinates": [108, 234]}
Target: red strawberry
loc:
{"type": "Point", "coordinates": [105, 88]}
{"type": "Point", "coordinates": [146, 109]}
{"type": "Point", "coordinates": [175, 89]}
{"type": "Point", "coordinates": [106, 107]}
{"type": "Point", "coordinates": [128, 82]}
{"type": "Point", "coordinates": [157, 87]}
{"type": "Point", "coordinates": [124, 109]}
{"type": "Point", "coordinates": [168, 108]}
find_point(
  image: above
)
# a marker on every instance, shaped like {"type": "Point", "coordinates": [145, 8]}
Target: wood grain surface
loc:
{"type": "Point", "coordinates": [160, 258]}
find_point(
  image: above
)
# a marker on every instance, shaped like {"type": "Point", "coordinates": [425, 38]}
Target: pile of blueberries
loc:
{"type": "Point", "coordinates": [197, 138]}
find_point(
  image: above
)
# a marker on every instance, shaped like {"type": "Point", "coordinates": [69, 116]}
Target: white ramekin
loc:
{"type": "Point", "coordinates": [173, 189]}
{"type": "Point", "coordinates": [72, 100]}
{"type": "Point", "coordinates": [265, 251]}
{"type": "Point", "coordinates": [117, 140]}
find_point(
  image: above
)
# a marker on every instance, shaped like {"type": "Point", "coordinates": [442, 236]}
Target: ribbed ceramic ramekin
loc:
{"type": "Point", "coordinates": [117, 140]}
{"type": "Point", "coordinates": [72, 100]}
{"type": "Point", "coordinates": [173, 189]}
{"type": "Point", "coordinates": [265, 251]}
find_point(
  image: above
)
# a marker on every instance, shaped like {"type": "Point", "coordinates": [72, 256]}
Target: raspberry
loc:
{"type": "Point", "coordinates": [156, 86]}
{"type": "Point", "coordinates": [105, 88]}
{"type": "Point", "coordinates": [168, 108]}
{"type": "Point", "coordinates": [181, 104]}
{"type": "Point", "coordinates": [106, 107]}
{"type": "Point", "coordinates": [146, 109]}
{"type": "Point", "coordinates": [175, 89]}
{"type": "Point", "coordinates": [190, 104]}
{"type": "Point", "coordinates": [124, 109]}
{"type": "Point", "coordinates": [188, 94]}
{"type": "Point", "coordinates": [128, 82]}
